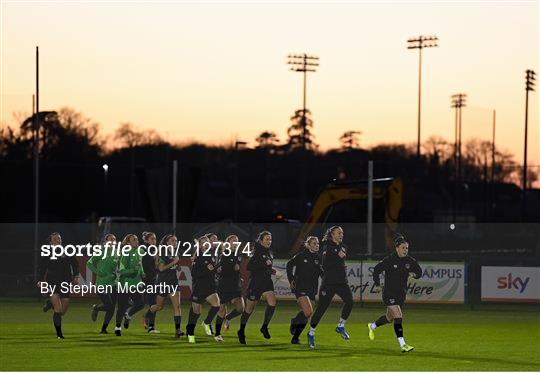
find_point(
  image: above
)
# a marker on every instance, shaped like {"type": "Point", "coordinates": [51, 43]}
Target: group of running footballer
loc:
{"type": "Point", "coordinates": [216, 280]}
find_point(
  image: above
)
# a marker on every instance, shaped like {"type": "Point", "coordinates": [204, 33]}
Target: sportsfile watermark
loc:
{"type": "Point", "coordinates": [185, 249]}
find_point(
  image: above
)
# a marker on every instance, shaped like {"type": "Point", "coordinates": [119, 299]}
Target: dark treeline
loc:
{"type": "Point", "coordinates": [273, 178]}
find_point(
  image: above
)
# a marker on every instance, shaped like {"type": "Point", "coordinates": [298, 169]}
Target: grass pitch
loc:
{"type": "Point", "coordinates": [446, 338]}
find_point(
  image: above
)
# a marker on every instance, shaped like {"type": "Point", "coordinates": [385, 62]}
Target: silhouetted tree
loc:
{"type": "Point", "coordinates": [438, 149]}
{"type": "Point", "coordinates": [64, 135]}
{"type": "Point", "coordinates": [349, 140]}
{"type": "Point", "coordinates": [267, 140]}
{"type": "Point", "coordinates": [129, 136]}
{"type": "Point", "coordinates": [296, 133]}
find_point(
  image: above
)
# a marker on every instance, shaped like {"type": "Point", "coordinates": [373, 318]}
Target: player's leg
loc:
{"type": "Point", "coordinates": [151, 313]}
{"type": "Point", "coordinates": [57, 315]}
{"type": "Point", "coordinates": [123, 303]}
{"type": "Point", "coordinates": [326, 293]}
{"type": "Point", "coordinates": [109, 301]}
{"type": "Point", "coordinates": [382, 320]}
{"type": "Point", "coordinates": [250, 307]}
{"type": "Point", "coordinates": [239, 307]}
{"type": "Point", "coordinates": [177, 313]}
{"type": "Point", "coordinates": [220, 318]}
{"type": "Point", "coordinates": [65, 304]}
{"type": "Point", "coordinates": [299, 322]}
{"type": "Point", "coordinates": [138, 304]}
{"type": "Point", "coordinates": [48, 305]}
{"type": "Point", "coordinates": [345, 293]}
{"type": "Point", "coordinates": [194, 313]}
{"type": "Point", "coordinates": [271, 302]}
{"type": "Point", "coordinates": [213, 301]}
{"type": "Point", "coordinates": [398, 328]}
{"type": "Point", "coordinates": [102, 307]}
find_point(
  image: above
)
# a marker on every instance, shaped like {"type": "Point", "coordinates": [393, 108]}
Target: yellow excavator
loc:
{"type": "Point", "coordinates": [387, 202]}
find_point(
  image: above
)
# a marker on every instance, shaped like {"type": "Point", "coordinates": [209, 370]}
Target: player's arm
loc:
{"type": "Point", "coordinates": [93, 264]}
{"type": "Point", "coordinates": [42, 268]}
{"type": "Point", "coordinates": [378, 269]}
{"type": "Point", "coordinates": [163, 266]}
{"type": "Point", "coordinates": [256, 262]}
{"type": "Point", "coordinates": [74, 264]}
{"type": "Point", "coordinates": [330, 258]}
{"type": "Point", "coordinates": [291, 265]}
{"type": "Point", "coordinates": [201, 269]}
{"type": "Point", "coordinates": [196, 267]}
{"type": "Point", "coordinates": [415, 268]}
{"type": "Point", "coordinates": [126, 268]}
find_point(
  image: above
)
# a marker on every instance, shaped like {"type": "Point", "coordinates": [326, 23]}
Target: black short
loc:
{"type": "Point", "coordinates": [393, 299]}
{"type": "Point", "coordinates": [169, 282]}
{"type": "Point", "coordinates": [58, 288]}
{"type": "Point", "coordinates": [201, 291]}
{"type": "Point", "coordinates": [259, 286]}
{"type": "Point", "coordinates": [305, 293]}
{"type": "Point", "coordinates": [227, 296]}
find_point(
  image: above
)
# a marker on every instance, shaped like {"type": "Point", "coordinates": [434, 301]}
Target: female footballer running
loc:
{"type": "Point", "coordinates": [130, 273]}
{"type": "Point", "coordinates": [167, 275]}
{"type": "Point", "coordinates": [150, 264]}
{"type": "Point", "coordinates": [303, 272]}
{"type": "Point", "coordinates": [260, 267]}
{"type": "Point", "coordinates": [334, 281]}
{"type": "Point", "coordinates": [397, 268]}
{"type": "Point", "coordinates": [63, 269]}
{"type": "Point", "coordinates": [229, 286]}
{"type": "Point", "coordinates": [105, 271]}
{"type": "Point", "coordinates": [203, 276]}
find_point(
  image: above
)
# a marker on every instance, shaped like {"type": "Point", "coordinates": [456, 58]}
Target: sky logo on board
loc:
{"type": "Point", "coordinates": [510, 282]}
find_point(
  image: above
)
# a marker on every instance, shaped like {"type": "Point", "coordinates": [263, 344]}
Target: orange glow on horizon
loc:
{"type": "Point", "coordinates": [217, 72]}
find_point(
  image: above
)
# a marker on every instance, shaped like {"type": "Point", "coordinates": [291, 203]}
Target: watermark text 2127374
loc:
{"type": "Point", "coordinates": [183, 249]}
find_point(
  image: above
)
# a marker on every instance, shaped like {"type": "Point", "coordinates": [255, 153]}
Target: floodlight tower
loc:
{"type": "Point", "coordinates": [303, 63]}
{"type": "Point", "coordinates": [530, 82]}
{"type": "Point", "coordinates": [420, 43]}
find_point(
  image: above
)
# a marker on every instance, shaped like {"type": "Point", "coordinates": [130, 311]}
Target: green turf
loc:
{"type": "Point", "coordinates": [445, 338]}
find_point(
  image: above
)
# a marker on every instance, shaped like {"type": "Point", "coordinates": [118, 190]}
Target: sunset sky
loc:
{"type": "Point", "coordinates": [216, 71]}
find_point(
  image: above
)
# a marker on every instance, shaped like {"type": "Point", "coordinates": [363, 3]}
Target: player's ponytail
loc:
{"type": "Point", "coordinates": [329, 232]}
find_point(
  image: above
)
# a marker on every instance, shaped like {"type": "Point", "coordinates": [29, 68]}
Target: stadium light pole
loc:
{"type": "Point", "coordinates": [492, 191]}
{"type": "Point", "coordinates": [174, 192]}
{"type": "Point", "coordinates": [420, 43]}
{"type": "Point", "coordinates": [36, 126]}
{"type": "Point", "coordinates": [530, 79]}
{"type": "Point", "coordinates": [106, 185]}
{"type": "Point", "coordinates": [303, 63]}
{"type": "Point", "coordinates": [457, 102]}
{"type": "Point", "coordinates": [493, 146]}
{"type": "Point", "coordinates": [237, 145]}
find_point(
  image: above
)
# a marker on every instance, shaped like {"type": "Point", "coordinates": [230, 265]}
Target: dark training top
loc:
{"type": "Point", "coordinates": [260, 264]}
{"type": "Point", "coordinates": [304, 269]}
{"type": "Point", "coordinates": [228, 277]}
{"type": "Point", "coordinates": [334, 268]}
{"type": "Point", "coordinates": [61, 269]}
{"type": "Point", "coordinates": [396, 273]}
{"type": "Point", "coordinates": [149, 268]}
{"type": "Point", "coordinates": [168, 275]}
{"type": "Point", "coordinates": [200, 272]}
